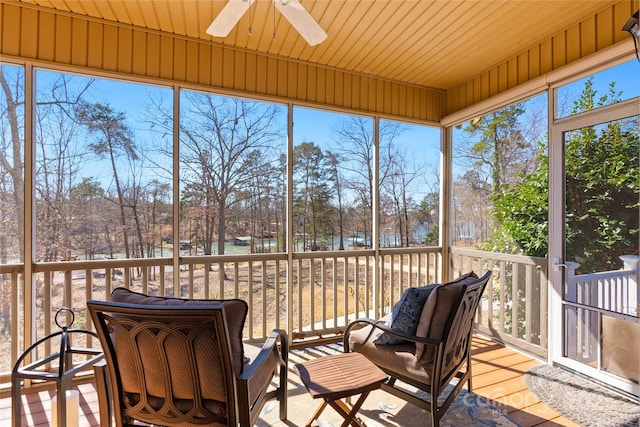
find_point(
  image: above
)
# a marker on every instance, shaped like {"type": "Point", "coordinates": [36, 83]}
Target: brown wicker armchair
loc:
{"type": "Point", "coordinates": [182, 362]}
{"type": "Point", "coordinates": [438, 352]}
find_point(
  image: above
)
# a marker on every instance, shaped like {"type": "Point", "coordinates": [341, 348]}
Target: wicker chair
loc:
{"type": "Point", "coordinates": [433, 357]}
{"type": "Point", "coordinates": [181, 364]}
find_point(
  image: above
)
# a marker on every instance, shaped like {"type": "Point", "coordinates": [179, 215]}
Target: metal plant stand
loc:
{"type": "Point", "coordinates": [44, 370]}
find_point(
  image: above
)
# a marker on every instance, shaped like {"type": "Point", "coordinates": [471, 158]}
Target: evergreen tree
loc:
{"type": "Point", "coordinates": [602, 188]}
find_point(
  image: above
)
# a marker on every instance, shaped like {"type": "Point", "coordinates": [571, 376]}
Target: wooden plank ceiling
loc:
{"type": "Point", "coordinates": [435, 44]}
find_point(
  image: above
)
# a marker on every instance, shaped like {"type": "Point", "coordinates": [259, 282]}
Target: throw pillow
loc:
{"type": "Point", "coordinates": [235, 311]}
{"type": "Point", "coordinates": [435, 313]}
{"type": "Point", "coordinates": [405, 315]}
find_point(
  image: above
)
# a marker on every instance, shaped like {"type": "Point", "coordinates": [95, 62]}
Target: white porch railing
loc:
{"type": "Point", "coordinates": [615, 291]}
{"type": "Point", "coordinates": [313, 300]}
{"type": "Point", "coordinates": [514, 307]}
{"type": "Point", "coordinates": [598, 307]}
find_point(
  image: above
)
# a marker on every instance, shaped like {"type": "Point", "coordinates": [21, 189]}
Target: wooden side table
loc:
{"type": "Point", "coordinates": [339, 376]}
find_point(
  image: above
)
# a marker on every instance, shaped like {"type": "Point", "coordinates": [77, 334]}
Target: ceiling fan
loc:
{"type": "Point", "coordinates": [292, 10]}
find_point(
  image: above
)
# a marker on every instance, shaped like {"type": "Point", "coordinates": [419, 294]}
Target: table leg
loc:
{"type": "Point", "coordinates": [349, 414]}
{"type": "Point", "coordinates": [317, 413]}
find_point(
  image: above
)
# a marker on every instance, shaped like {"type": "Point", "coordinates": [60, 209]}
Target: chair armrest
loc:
{"type": "Point", "coordinates": [357, 324]}
{"type": "Point", "coordinates": [377, 324]}
{"type": "Point", "coordinates": [254, 381]}
{"type": "Point", "coordinates": [270, 346]}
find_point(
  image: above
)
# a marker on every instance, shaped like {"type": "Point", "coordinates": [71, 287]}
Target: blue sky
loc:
{"type": "Point", "coordinates": [626, 77]}
{"type": "Point", "coordinates": [421, 143]}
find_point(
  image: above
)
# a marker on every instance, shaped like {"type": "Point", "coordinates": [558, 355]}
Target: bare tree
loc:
{"type": "Point", "coordinates": [11, 157]}
{"type": "Point", "coordinates": [58, 161]}
{"type": "Point", "coordinates": [217, 136]}
{"type": "Point", "coordinates": [354, 137]}
{"type": "Point", "coordinates": [355, 141]}
{"type": "Point", "coordinates": [280, 200]}
{"type": "Point", "coordinates": [333, 160]}
{"type": "Point", "coordinates": [89, 210]}
{"type": "Point", "coordinates": [58, 100]}
{"type": "Point", "coordinates": [261, 198]}
{"type": "Point", "coordinates": [500, 147]}
{"type": "Point", "coordinates": [396, 189]}
{"type": "Point", "coordinates": [114, 138]}
{"type": "Point", "coordinates": [494, 152]}
{"type": "Point", "coordinates": [134, 198]}
{"type": "Point", "coordinates": [312, 193]}
{"type": "Point", "coordinates": [428, 210]}
{"type": "Point", "coordinates": [158, 214]}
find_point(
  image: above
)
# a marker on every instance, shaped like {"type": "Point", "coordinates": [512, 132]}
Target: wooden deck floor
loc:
{"type": "Point", "coordinates": [497, 375]}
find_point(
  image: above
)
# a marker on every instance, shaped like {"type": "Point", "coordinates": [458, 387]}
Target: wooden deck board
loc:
{"type": "Point", "coordinates": [497, 375]}
{"type": "Point", "coordinates": [36, 408]}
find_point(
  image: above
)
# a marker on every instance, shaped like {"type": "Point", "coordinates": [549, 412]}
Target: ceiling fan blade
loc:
{"type": "Point", "coordinates": [302, 21]}
{"type": "Point", "coordinates": [228, 17]}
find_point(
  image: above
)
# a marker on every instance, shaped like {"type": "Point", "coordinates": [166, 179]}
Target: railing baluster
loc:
{"type": "Point", "coordinates": [236, 280]}
{"type": "Point", "coordinates": [276, 287]}
{"type": "Point", "coordinates": [368, 287]}
{"type": "Point", "coordinates": [312, 300]}
{"type": "Point", "coordinates": [127, 278]}
{"type": "Point", "coordinates": [528, 301]}
{"type": "Point", "coordinates": [401, 280]}
{"type": "Point", "coordinates": [108, 285]}
{"type": "Point", "coordinates": [264, 298]}
{"type": "Point", "coordinates": [356, 285]}
{"type": "Point", "coordinates": [206, 280]}
{"type": "Point", "coordinates": [145, 281]}
{"type": "Point", "coordinates": [250, 299]}
{"type": "Point", "coordinates": [392, 281]}
{"type": "Point", "coordinates": [298, 285]}
{"type": "Point", "coordinates": [514, 300]}
{"type": "Point", "coordinates": [189, 282]}
{"type": "Point", "coordinates": [161, 281]}
{"type": "Point", "coordinates": [345, 286]}
{"type": "Point", "coordinates": [222, 276]}
{"type": "Point", "coordinates": [323, 292]}
{"type": "Point", "coordinates": [503, 280]}
{"type": "Point", "coordinates": [334, 286]}
{"type": "Point", "coordinates": [88, 295]}
{"type": "Point", "coordinates": [68, 289]}
{"type": "Point", "coordinates": [47, 309]}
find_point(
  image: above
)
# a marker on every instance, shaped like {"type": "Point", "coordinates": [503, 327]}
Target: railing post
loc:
{"type": "Point", "coordinates": [571, 292]}
{"type": "Point", "coordinates": [572, 320]}
{"type": "Point", "coordinates": [630, 262]}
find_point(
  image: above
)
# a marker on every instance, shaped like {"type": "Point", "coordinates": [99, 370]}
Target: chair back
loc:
{"type": "Point", "coordinates": [168, 365]}
{"type": "Point", "coordinates": [459, 329]}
